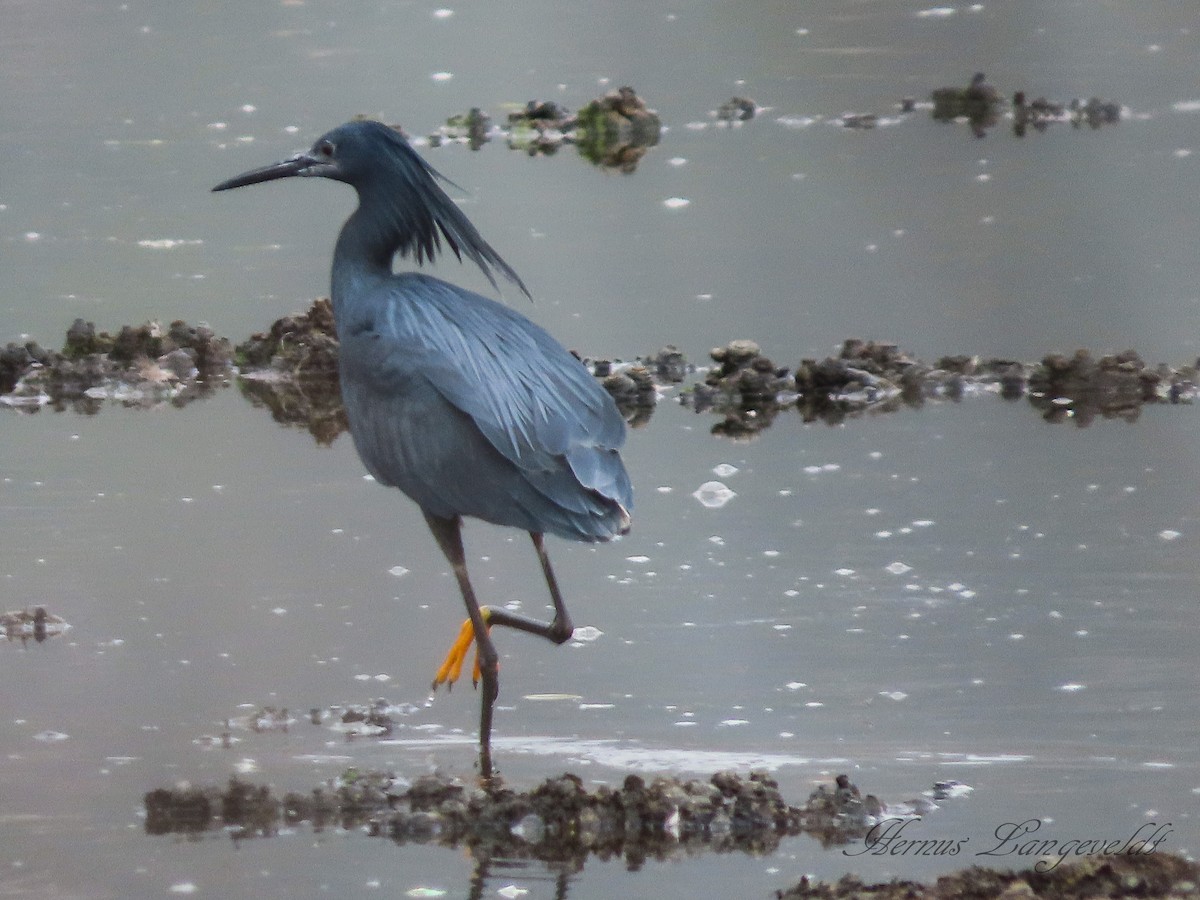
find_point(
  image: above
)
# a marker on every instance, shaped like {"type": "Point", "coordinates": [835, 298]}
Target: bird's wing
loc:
{"type": "Point", "coordinates": [532, 400]}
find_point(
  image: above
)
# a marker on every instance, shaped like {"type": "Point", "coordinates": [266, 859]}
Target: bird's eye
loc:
{"type": "Point", "coordinates": [325, 150]}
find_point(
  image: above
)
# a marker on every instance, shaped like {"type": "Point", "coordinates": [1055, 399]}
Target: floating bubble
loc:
{"type": "Point", "coordinates": [898, 568]}
{"type": "Point", "coordinates": [713, 494]}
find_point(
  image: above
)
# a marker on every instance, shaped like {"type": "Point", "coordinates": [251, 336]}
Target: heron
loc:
{"type": "Point", "coordinates": [461, 402]}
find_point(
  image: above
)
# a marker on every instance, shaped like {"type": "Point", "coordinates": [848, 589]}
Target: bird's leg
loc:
{"type": "Point", "coordinates": [477, 628]}
{"type": "Point", "coordinates": [560, 629]}
{"type": "Point", "coordinates": [448, 533]}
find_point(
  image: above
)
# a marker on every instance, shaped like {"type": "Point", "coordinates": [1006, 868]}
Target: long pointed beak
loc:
{"type": "Point", "coordinates": [300, 164]}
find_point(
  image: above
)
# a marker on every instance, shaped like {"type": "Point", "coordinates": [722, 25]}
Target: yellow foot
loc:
{"type": "Point", "coordinates": [451, 668]}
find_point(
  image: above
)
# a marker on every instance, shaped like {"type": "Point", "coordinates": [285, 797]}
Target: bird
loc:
{"type": "Point", "coordinates": [461, 402]}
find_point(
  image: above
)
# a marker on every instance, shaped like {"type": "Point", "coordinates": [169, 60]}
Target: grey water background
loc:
{"type": "Point", "coordinates": [963, 591]}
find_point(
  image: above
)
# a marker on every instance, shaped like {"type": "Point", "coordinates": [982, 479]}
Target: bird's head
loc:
{"type": "Point", "coordinates": [349, 153]}
{"type": "Point", "coordinates": [398, 193]}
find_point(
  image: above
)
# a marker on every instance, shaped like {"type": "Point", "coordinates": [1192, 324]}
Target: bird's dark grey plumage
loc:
{"type": "Point", "coordinates": [461, 402]}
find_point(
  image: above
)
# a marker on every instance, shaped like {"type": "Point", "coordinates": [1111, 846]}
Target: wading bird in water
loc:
{"type": "Point", "coordinates": [462, 403]}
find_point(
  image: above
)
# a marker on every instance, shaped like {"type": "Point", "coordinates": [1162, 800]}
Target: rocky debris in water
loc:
{"type": "Point", "coordinates": [292, 369]}
{"type": "Point", "coordinates": [876, 376]}
{"type": "Point", "coordinates": [613, 131]}
{"type": "Point", "coordinates": [744, 370]}
{"type": "Point", "coordinates": [561, 821]}
{"type": "Point", "coordinates": [1037, 114]}
{"type": "Point", "coordinates": [301, 346]}
{"type": "Point", "coordinates": [262, 720]}
{"type": "Point", "coordinates": [541, 127]}
{"type": "Point", "coordinates": [1148, 875]}
{"type": "Point", "coordinates": [375, 720]}
{"type": "Point", "coordinates": [1115, 386]}
{"type": "Point", "coordinates": [22, 625]}
{"type": "Point", "coordinates": [474, 128]}
{"type": "Point", "coordinates": [863, 121]}
{"type": "Point", "coordinates": [635, 386]}
{"type": "Point", "coordinates": [1094, 112]}
{"type": "Point", "coordinates": [633, 390]}
{"type": "Point", "coordinates": [979, 103]}
{"type": "Point", "coordinates": [744, 385]}
{"type": "Point", "coordinates": [616, 130]}
{"type": "Point", "coordinates": [558, 819]}
{"type": "Point", "coordinates": [668, 365]}
{"type": "Point", "coordinates": [139, 366]}
{"type": "Point", "coordinates": [737, 109]}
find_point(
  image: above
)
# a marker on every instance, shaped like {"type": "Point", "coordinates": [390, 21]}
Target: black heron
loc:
{"type": "Point", "coordinates": [464, 404]}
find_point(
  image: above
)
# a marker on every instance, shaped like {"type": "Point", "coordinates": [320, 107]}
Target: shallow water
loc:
{"type": "Point", "coordinates": [961, 591]}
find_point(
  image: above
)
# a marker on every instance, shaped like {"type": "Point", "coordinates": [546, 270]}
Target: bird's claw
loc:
{"type": "Point", "coordinates": [451, 667]}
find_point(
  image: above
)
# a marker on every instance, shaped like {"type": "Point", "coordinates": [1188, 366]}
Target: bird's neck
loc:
{"type": "Point", "coordinates": [363, 251]}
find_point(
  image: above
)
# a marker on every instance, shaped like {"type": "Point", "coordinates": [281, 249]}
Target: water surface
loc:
{"type": "Point", "coordinates": [962, 591]}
